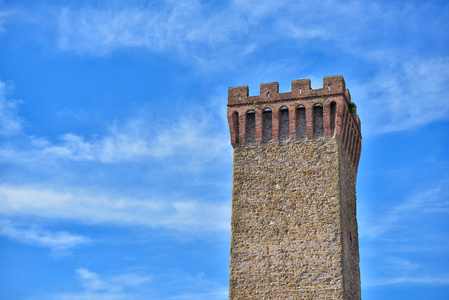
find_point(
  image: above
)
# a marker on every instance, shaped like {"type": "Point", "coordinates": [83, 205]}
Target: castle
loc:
{"type": "Point", "coordinates": [294, 226]}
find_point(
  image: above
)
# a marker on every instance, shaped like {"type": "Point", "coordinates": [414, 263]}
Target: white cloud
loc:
{"type": "Point", "coordinates": [404, 91]}
{"type": "Point", "coordinates": [135, 286]}
{"type": "Point", "coordinates": [197, 287]}
{"type": "Point", "coordinates": [56, 241]}
{"type": "Point", "coordinates": [3, 15]}
{"type": "Point", "coordinates": [201, 34]}
{"type": "Point", "coordinates": [92, 296]}
{"type": "Point", "coordinates": [10, 122]}
{"type": "Point", "coordinates": [190, 138]}
{"type": "Point", "coordinates": [94, 282]}
{"type": "Point", "coordinates": [404, 95]}
{"type": "Point", "coordinates": [425, 280]}
{"type": "Point", "coordinates": [101, 287]}
{"type": "Point", "coordinates": [405, 271]}
{"type": "Point", "coordinates": [222, 294]}
{"type": "Point", "coordinates": [427, 202]}
{"type": "Point", "coordinates": [177, 214]}
{"type": "Point", "coordinates": [183, 27]}
{"type": "Point", "coordinates": [397, 240]}
{"type": "Point", "coordinates": [190, 26]}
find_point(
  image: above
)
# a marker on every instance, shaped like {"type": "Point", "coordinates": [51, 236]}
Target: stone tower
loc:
{"type": "Point", "coordinates": [294, 226]}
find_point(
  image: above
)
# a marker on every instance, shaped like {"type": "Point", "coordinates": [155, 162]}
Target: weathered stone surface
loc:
{"type": "Point", "coordinates": [293, 211]}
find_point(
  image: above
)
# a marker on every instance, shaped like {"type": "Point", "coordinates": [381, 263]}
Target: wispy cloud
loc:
{"type": "Point", "coordinates": [96, 286]}
{"type": "Point", "coordinates": [190, 137]}
{"type": "Point", "coordinates": [3, 17]}
{"type": "Point", "coordinates": [193, 135]}
{"type": "Point", "coordinates": [193, 286]}
{"type": "Point", "coordinates": [425, 280]}
{"type": "Point", "coordinates": [169, 213]}
{"type": "Point", "coordinates": [417, 206]}
{"type": "Point", "coordinates": [137, 286]}
{"type": "Point", "coordinates": [190, 25]}
{"type": "Point", "coordinates": [404, 90]}
{"type": "Point", "coordinates": [197, 30]}
{"type": "Point", "coordinates": [56, 241]}
{"type": "Point", "coordinates": [405, 94]}
{"type": "Point", "coordinates": [94, 282]}
{"type": "Point", "coordinates": [206, 36]}
{"type": "Point", "coordinates": [405, 271]}
{"type": "Point", "coordinates": [400, 242]}
{"type": "Point", "coordinates": [10, 122]}
{"type": "Point", "coordinates": [180, 27]}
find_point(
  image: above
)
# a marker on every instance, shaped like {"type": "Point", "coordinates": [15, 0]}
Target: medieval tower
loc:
{"type": "Point", "coordinates": [294, 226]}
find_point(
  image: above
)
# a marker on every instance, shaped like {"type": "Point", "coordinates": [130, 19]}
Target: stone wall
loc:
{"type": "Point", "coordinates": [292, 208]}
{"type": "Point", "coordinates": [351, 270]}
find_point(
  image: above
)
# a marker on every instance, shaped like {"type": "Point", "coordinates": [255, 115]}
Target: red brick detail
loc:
{"type": "Point", "coordinates": [348, 96]}
{"type": "Point", "coordinates": [350, 140]}
{"type": "Point", "coordinates": [269, 91]}
{"type": "Point", "coordinates": [353, 146]}
{"type": "Point", "coordinates": [238, 95]}
{"type": "Point", "coordinates": [347, 125]}
{"type": "Point", "coordinates": [334, 84]}
{"type": "Point", "coordinates": [345, 129]}
{"type": "Point", "coordinates": [275, 130]}
{"type": "Point", "coordinates": [309, 120]}
{"type": "Point", "coordinates": [292, 121]}
{"type": "Point", "coordinates": [301, 87]}
{"type": "Point", "coordinates": [327, 121]}
{"type": "Point", "coordinates": [259, 125]}
{"type": "Point", "coordinates": [242, 129]}
{"type": "Point", "coordinates": [359, 151]}
{"type": "Point", "coordinates": [339, 120]}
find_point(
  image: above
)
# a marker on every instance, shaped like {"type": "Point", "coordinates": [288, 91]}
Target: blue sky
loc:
{"type": "Point", "coordinates": [115, 157]}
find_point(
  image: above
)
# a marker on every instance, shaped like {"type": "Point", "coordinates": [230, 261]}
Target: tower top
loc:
{"type": "Point", "coordinates": [300, 89]}
{"type": "Point", "coordinates": [302, 113]}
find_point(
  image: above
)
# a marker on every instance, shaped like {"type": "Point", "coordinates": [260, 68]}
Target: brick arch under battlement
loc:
{"type": "Point", "coordinates": [326, 114]}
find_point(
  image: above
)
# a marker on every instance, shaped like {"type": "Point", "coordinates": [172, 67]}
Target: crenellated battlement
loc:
{"type": "Point", "coordinates": [269, 92]}
{"type": "Point", "coordinates": [302, 113]}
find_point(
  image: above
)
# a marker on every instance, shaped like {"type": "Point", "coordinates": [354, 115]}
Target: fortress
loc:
{"type": "Point", "coordinates": [294, 226]}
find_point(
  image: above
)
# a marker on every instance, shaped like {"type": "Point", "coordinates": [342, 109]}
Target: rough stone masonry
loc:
{"type": "Point", "coordinates": [294, 226]}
